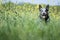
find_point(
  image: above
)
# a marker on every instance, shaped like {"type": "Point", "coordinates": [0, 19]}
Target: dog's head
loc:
{"type": "Point", "coordinates": [43, 11]}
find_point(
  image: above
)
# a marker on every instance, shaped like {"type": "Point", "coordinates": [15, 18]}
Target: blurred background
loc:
{"type": "Point", "coordinates": [50, 2]}
{"type": "Point", "coordinates": [19, 20]}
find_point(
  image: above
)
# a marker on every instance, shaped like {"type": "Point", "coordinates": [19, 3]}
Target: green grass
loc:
{"type": "Point", "coordinates": [26, 25]}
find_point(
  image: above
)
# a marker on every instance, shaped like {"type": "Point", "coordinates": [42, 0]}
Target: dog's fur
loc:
{"type": "Point", "coordinates": [44, 15]}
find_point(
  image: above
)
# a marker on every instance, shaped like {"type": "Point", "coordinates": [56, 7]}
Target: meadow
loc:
{"type": "Point", "coordinates": [22, 22]}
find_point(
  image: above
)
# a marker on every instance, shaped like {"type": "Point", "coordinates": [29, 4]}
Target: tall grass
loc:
{"type": "Point", "coordinates": [20, 24]}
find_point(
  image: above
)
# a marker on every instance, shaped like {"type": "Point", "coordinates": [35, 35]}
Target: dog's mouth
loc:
{"type": "Point", "coordinates": [43, 16]}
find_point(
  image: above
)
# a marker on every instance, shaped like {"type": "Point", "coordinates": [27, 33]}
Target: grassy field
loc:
{"type": "Point", "coordinates": [22, 22]}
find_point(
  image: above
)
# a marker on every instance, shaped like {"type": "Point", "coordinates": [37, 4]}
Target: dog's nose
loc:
{"type": "Point", "coordinates": [43, 14]}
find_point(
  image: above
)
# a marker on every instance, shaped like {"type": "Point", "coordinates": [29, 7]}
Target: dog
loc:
{"type": "Point", "coordinates": [44, 13]}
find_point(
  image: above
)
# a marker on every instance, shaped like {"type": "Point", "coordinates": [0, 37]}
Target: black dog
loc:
{"type": "Point", "coordinates": [44, 13]}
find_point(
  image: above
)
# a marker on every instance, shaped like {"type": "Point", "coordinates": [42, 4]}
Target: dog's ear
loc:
{"type": "Point", "coordinates": [47, 7]}
{"type": "Point", "coordinates": [40, 7]}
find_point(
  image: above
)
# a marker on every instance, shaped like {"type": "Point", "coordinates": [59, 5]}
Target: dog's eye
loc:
{"type": "Point", "coordinates": [41, 10]}
{"type": "Point", "coordinates": [45, 10]}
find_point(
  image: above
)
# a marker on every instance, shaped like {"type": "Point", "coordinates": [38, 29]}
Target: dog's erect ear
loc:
{"type": "Point", "coordinates": [40, 7]}
{"type": "Point", "coordinates": [47, 7]}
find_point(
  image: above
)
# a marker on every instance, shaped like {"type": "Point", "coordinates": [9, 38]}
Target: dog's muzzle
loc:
{"type": "Point", "coordinates": [44, 15]}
